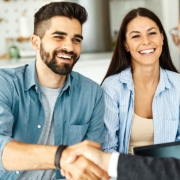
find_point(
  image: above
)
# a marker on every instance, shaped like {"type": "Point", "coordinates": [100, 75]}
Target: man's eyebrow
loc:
{"type": "Point", "coordinates": [79, 36]}
{"type": "Point", "coordinates": [59, 33]}
{"type": "Point", "coordinates": [65, 34]}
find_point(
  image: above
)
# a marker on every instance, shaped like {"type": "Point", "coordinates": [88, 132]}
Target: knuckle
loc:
{"type": "Point", "coordinates": [86, 142]}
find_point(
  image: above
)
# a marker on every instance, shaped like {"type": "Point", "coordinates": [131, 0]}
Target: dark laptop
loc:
{"type": "Point", "coordinates": [159, 150]}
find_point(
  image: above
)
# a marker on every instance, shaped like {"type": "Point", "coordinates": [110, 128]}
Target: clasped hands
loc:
{"type": "Point", "coordinates": [84, 161]}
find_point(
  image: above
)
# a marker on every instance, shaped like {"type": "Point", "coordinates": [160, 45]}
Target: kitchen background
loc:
{"type": "Point", "coordinates": [100, 31]}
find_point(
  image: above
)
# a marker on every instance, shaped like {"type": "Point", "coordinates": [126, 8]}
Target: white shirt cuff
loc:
{"type": "Point", "coordinates": [113, 164]}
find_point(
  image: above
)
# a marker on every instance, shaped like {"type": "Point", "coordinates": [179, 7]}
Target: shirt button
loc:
{"type": "Point", "coordinates": [17, 172]}
{"type": "Point", "coordinates": [39, 126]}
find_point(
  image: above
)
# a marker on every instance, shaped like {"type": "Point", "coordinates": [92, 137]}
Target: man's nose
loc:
{"type": "Point", "coordinates": [67, 45]}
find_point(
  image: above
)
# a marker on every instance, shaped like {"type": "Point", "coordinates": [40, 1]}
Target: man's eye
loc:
{"type": "Point", "coordinates": [58, 37]}
{"type": "Point", "coordinates": [77, 40]}
{"type": "Point", "coordinates": [135, 36]}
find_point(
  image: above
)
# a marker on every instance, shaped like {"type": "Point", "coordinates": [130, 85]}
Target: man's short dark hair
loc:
{"type": "Point", "coordinates": [42, 18]}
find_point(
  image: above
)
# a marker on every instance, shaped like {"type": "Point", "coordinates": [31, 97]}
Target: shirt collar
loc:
{"type": "Point", "coordinates": [126, 78]}
{"type": "Point", "coordinates": [164, 82]}
{"type": "Point", "coordinates": [31, 78]}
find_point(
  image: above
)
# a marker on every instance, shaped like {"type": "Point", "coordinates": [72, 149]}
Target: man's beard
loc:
{"type": "Point", "coordinates": [61, 69]}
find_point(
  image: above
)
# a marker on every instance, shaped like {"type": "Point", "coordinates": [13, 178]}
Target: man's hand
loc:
{"type": "Point", "coordinates": [81, 168]}
{"type": "Point", "coordinates": [89, 151]}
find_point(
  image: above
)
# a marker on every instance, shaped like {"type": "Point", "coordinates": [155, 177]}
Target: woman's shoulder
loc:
{"type": "Point", "coordinates": [118, 79]}
{"type": "Point", "coordinates": [172, 77]}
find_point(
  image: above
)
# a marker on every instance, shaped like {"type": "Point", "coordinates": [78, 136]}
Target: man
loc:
{"type": "Point", "coordinates": [124, 166]}
{"type": "Point", "coordinates": [44, 104]}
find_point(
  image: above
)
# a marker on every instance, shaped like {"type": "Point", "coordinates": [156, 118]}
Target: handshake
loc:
{"type": "Point", "coordinates": [84, 161]}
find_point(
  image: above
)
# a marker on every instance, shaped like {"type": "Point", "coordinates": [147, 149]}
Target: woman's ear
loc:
{"type": "Point", "coordinates": [35, 41]}
{"type": "Point", "coordinates": [126, 46]}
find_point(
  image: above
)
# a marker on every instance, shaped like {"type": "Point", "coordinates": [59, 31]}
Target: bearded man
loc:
{"type": "Point", "coordinates": [46, 104]}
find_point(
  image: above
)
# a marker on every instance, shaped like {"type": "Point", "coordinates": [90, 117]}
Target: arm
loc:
{"type": "Point", "coordinates": [21, 156]}
{"type": "Point", "coordinates": [96, 125]}
{"type": "Point", "coordinates": [129, 166]}
{"type": "Point", "coordinates": [111, 121]}
{"type": "Point", "coordinates": [138, 167]}
{"type": "Point", "coordinates": [16, 155]}
{"type": "Point", "coordinates": [91, 151]}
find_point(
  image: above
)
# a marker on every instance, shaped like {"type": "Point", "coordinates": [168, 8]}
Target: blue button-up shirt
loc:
{"type": "Point", "coordinates": [78, 112]}
{"type": "Point", "coordinates": [119, 110]}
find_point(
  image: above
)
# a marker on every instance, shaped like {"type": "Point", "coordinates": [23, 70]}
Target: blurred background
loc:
{"type": "Point", "coordinates": [100, 31]}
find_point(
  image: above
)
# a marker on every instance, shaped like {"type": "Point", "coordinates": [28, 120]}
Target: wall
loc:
{"type": "Point", "coordinates": [96, 30]}
{"type": "Point", "coordinates": [167, 11]}
{"type": "Point", "coordinates": [11, 12]}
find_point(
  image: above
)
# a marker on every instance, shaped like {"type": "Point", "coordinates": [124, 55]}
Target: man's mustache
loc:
{"type": "Point", "coordinates": [66, 52]}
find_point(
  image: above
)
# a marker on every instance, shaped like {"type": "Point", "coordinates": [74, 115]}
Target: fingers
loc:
{"type": "Point", "coordinates": [96, 156]}
{"type": "Point", "coordinates": [91, 143]}
{"type": "Point", "coordinates": [88, 152]}
{"type": "Point", "coordinates": [83, 169]}
{"type": "Point", "coordinates": [78, 148]}
{"type": "Point", "coordinates": [98, 171]}
{"type": "Point", "coordinates": [63, 173]}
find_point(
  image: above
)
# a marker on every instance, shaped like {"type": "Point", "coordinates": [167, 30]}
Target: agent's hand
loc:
{"type": "Point", "coordinates": [81, 168]}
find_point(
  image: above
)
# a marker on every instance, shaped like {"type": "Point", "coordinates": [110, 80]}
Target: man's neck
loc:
{"type": "Point", "coordinates": [47, 77]}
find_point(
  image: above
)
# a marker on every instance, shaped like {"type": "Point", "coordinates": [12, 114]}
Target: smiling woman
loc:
{"type": "Point", "coordinates": [144, 42]}
{"type": "Point", "coordinates": [140, 79]}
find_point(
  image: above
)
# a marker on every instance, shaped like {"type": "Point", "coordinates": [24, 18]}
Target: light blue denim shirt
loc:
{"type": "Point", "coordinates": [78, 112]}
{"type": "Point", "coordinates": [119, 109]}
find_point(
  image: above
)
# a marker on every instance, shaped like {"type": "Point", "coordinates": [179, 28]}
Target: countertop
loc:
{"type": "Point", "coordinates": [92, 65]}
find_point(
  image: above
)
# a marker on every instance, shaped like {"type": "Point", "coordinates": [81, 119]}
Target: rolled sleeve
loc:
{"type": "Point", "coordinates": [6, 117]}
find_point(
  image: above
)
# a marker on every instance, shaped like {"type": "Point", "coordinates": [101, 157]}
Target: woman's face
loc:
{"type": "Point", "coordinates": [144, 41]}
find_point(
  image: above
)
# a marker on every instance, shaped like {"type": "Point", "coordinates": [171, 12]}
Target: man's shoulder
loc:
{"type": "Point", "coordinates": [12, 72]}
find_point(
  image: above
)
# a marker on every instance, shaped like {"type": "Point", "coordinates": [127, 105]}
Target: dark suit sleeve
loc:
{"type": "Point", "coordinates": [146, 168]}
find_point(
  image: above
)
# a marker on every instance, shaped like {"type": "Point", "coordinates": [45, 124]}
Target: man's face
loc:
{"type": "Point", "coordinates": [61, 45]}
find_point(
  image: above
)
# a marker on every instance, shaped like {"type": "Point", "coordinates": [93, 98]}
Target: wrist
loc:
{"type": "Point", "coordinates": [58, 155]}
{"type": "Point", "coordinates": [106, 160]}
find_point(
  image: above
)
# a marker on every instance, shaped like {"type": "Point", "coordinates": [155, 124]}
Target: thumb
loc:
{"type": "Point", "coordinates": [71, 158]}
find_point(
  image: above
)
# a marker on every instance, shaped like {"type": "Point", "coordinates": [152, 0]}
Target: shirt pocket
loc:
{"type": "Point", "coordinates": [77, 133]}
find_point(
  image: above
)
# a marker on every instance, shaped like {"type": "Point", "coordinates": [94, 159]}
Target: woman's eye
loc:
{"type": "Point", "coordinates": [152, 33]}
{"type": "Point", "coordinates": [136, 36]}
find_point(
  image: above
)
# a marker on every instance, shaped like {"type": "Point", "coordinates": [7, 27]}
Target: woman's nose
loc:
{"type": "Point", "coordinates": [146, 40]}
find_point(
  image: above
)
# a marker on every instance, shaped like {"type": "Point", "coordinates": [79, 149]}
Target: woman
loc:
{"type": "Point", "coordinates": [141, 87]}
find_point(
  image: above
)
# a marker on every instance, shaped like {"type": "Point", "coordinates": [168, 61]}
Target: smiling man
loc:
{"type": "Point", "coordinates": [46, 104]}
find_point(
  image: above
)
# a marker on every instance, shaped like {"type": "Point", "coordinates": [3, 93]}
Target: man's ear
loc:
{"type": "Point", "coordinates": [126, 46]}
{"type": "Point", "coordinates": [35, 41]}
